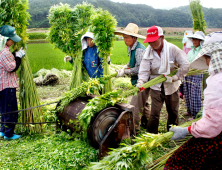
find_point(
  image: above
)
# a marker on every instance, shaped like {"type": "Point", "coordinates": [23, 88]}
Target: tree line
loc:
{"type": "Point", "coordinates": [142, 15]}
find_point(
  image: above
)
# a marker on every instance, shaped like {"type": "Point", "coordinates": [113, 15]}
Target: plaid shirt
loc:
{"type": "Point", "coordinates": [8, 79]}
{"type": "Point", "coordinates": [139, 56]}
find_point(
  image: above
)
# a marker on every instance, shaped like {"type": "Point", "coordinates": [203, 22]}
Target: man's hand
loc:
{"type": "Point", "coordinates": [67, 58]}
{"type": "Point", "coordinates": [20, 53]}
{"type": "Point", "coordinates": [171, 79]}
{"type": "Point", "coordinates": [125, 67]}
{"type": "Point", "coordinates": [179, 132]}
{"type": "Point", "coordinates": [120, 73]}
{"type": "Point", "coordinates": [139, 83]}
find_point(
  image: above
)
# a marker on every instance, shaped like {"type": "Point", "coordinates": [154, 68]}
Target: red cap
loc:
{"type": "Point", "coordinates": [153, 33]}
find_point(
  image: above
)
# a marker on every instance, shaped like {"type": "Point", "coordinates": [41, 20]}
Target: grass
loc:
{"type": "Point", "coordinates": [44, 56]}
{"type": "Point", "coordinates": [46, 151]}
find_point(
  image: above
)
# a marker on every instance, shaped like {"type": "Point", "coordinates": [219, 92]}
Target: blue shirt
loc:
{"type": "Point", "coordinates": [92, 62]}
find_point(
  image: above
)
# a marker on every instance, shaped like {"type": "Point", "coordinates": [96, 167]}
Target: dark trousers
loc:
{"type": "Point", "coordinates": [8, 103]}
{"type": "Point", "coordinates": [172, 106]}
{"type": "Point", "coordinates": [142, 108]}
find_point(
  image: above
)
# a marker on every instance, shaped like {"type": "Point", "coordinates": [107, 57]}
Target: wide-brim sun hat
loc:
{"type": "Point", "coordinates": [212, 45]}
{"type": "Point", "coordinates": [198, 35]}
{"type": "Point", "coordinates": [9, 31]}
{"type": "Point", "coordinates": [132, 30]}
{"type": "Point", "coordinates": [153, 34]}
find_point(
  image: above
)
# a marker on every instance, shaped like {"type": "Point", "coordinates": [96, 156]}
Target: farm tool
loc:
{"type": "Point", "coordinates": [106, 129]}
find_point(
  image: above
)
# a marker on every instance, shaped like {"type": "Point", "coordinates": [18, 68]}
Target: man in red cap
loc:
{"type": "Point", "coordinates": [160, 58]}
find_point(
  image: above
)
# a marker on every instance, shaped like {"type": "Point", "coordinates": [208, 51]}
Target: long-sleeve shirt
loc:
{"type": "Point", "coordinates": [150, 68]}
{"type": "Point", "coordinates": [92, 62]}
{"type": "Point", "coordinates": [8, 79]}
{"type": "Point", "coordinates": [210, 125]}
{"type": "Point", "coordinates": [138, 55]}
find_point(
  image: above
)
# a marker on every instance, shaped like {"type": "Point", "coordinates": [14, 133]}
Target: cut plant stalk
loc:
{"type": "Point", "coordinates": [135, 156]}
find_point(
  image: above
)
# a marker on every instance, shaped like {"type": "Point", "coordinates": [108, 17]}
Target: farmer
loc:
{"type": "Point", "coordinates": [192, 86]}
{"type": "Point", "coordinates": [204, 149]}
{"type": "Point", "coordinates": [136, 51]}
{"type": "Point", "coordinates": [160, 58]}
{"type": "Point", "coordinates": [91, 62]}
{"type": "Point", "coordinates": [187, 43]}
{"type": "Point", "coordinates": [8, 81]}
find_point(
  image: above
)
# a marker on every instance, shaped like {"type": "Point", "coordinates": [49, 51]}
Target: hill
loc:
{"type": "Point", "coordinates": [142, 15]}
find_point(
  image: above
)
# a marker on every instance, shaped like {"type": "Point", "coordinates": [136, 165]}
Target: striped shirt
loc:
{"type": "Point", "coordinates": [8, 79]}
{"type": "Point", "coordinates": [139, 56]}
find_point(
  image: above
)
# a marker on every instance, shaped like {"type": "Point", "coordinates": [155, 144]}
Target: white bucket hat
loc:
{"type": "Point", "coordinates": [131, 29]}
{"type": "Point", "coordinates": [83, 41]}
{"type": "Point", "coordinates": [198, 35]}
{"type": "Point", "coordinates": [213, 48]}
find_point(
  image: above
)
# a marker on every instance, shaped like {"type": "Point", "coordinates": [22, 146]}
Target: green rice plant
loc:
{"type": "Point", "coordinates": [36, 35]}
{"type": "Point", "coordinates": [44, 56]}
{"type": "Point", "coordinates": [103, 26]}
{"type": "Point", "coordinates": [199, 23]}
{"type": "Point", "coordinates": [15, 13]}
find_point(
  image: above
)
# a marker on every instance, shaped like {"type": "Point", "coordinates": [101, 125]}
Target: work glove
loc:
{"type": "Point", "coordinates": [171, 79]}
{"type": "Point", "coordinates": [120, 73]}
{"type": "Point", "coordinates": [20, 53]}
{"type": "Point", "coordinates": [179, 132]}
{"type": "Point", "coordinates": [125, 67]}
{"type": "Point", "coordinates": [139, 83]}
{"type": "Point", "coordinates": [108, 59]}
{"type": "Point", "coordinates": [67, 58]}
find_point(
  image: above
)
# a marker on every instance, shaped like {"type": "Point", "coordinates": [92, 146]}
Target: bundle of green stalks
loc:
{"type": "Point", "coordinates": [199, 23]}
{"type": "Point", "coordinates": [14, 13]}
{"type": "Point", "coordinates": [138, 155]}
{"type": "Point", "coordinates": [67, 27]}
{"type": "Point", "coordinates": [103, 26]}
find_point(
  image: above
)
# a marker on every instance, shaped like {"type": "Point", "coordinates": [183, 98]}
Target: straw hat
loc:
{"type": "Point", "coordinates": [131, 29]}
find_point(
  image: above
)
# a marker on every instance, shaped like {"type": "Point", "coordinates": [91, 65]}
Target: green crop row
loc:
{"type": "Point", "coordinates": [37, 35]}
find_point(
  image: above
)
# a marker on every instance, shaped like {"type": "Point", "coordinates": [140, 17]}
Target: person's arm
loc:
{"type": "Point", "coordinates": [18, 62]}
{"type": "Point", "coordinates": [181, 60]}
{"type": "Point", "coordinates": [8, 62]}
{"type": "Point", "coordinates": [144, 70]}
{"type": "Point", "coordinates": [210, 124]}
{"type": "Point", "coordinates": [138, 56]}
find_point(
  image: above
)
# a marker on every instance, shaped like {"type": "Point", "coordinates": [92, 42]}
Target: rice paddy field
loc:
{"type": "Point", "coordinates": [42, 55]}
{"type": "Point", "coordinates": [57, 149]}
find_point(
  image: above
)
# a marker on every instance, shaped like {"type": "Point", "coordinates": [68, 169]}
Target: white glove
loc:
{"type": "Point", "coordinates": [179, 132]}
{"type": "Point", "coordinates": [171, 79]}
{"type": "Point", "coordinates": [20, 53]}
{"type": "Point", "coordinates": [108, 59]}
{"type": "Point", "coordinates": [139, 83]}
{"type": "Point", "coordinates": [125, 67]}
{"type": "Point", "coordinates": [67, 58]}
{"type": "Point", "coordinates": [120, 73]}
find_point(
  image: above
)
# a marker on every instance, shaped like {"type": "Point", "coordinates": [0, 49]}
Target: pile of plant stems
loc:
{"type": "Point", "coordinates": [14, 13]}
